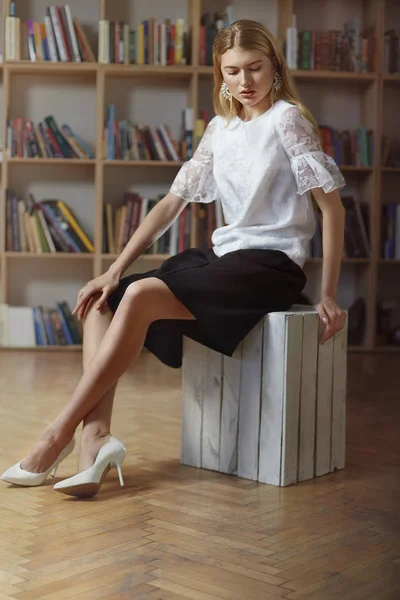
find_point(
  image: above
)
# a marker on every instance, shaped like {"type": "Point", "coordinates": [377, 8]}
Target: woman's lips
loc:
{"type": "Point", "coordinates": [247, 94]}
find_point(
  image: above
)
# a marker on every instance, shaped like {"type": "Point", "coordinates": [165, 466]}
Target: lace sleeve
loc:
{"type": "Point", "coordinates": [195, 180]}
{"type": "Point", "coordinates": [311, 167]}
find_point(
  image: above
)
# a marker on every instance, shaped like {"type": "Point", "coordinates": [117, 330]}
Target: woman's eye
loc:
{"type": "Point", "coordinates": [256, 69]}
{"type": "Point", "coordinates": [231, 73]}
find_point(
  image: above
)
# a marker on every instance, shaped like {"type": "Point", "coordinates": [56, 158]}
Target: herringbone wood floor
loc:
{"type": "Point", "coordinates": [177, 532]}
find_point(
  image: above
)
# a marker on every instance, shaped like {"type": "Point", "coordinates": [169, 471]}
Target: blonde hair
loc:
{"type": "Point", "coordinates": [251, 35]}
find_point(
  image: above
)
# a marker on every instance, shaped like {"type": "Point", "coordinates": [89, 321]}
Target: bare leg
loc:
{"type": "Point", "coordinates": [97, 423]}
{"type": "Point", "coordinates": [144, 302]}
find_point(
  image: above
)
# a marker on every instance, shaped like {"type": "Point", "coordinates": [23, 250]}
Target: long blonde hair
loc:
{"type": "Point", "coordinates": [251, 35]}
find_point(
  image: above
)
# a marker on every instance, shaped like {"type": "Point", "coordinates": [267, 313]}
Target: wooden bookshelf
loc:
{"type": "Point", "coordinates": [371, 88]}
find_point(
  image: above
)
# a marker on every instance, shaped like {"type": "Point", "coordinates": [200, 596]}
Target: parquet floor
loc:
{"type": "Point", "coordinates": [177, 532]}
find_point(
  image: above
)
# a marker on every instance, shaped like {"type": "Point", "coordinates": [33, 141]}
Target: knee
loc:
{"type": "Point", "coordinates": [138, 296]}
{"type": "Point", "coordinates": [90, 306]}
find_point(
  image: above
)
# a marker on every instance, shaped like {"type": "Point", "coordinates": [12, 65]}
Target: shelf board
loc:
{"type": "Point", "coordinates": [145, 257]}
{"type": "Point", "coordinates": [347, 76]}
{"type": "Point", "coordinates": [313, 75]}
{"type": "Point", "coordinates": [51, 255]}
{"type": "Point", "coordinates": [358, 348]}
{"type": "Point", "coordinates": [391, 78]}
{"type": "Point", "coordinates": [27, 67]}
{"type": "Point", "coordinates": [346, 260]}
{"type": "Point", "coordinates": [143, 163]}
{"type": "Point", "coordinates": [390, 169]}
{"type": "Point", "coordinates": [389, 261]}
{"type": "Point", "coordinates": [392, 348]}
{"type": "Point", "coordinates": [66, 348]}
{"type": "Point", "coordinates": [52, 161]}
{"type": "Point", "coordinates": [132, 70]}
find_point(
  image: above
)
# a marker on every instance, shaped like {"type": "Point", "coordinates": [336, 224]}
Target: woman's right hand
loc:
{"type": "Point", "coordinates": [104, 284]}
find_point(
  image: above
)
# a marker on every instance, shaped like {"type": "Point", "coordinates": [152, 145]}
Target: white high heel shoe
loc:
{"type": "Point", "coordinates": [88, 483]}
{"type": "Point", "coordinates": [18, 476]}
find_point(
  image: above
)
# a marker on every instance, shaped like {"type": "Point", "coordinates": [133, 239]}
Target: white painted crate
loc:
{"type": "Point", "coordinates": [275, 412]}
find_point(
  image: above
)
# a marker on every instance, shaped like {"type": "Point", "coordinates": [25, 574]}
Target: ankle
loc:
{"type": "Point", "coordinates": [94, 436]}
{"type": "Point", "coordinates": [56, 438]}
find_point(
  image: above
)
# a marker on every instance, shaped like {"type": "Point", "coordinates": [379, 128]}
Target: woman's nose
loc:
{"type": "Point", "coordinates": [245, 79]}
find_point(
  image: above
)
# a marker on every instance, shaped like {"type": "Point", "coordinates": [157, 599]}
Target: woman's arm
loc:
{"type": "Point", "coordinates": [333, 215]}
{"type": "Point", "coordinates": [153, 226]}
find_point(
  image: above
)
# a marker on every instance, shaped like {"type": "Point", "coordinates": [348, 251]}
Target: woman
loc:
{"type": "Point", "coordinates": [260, 156]}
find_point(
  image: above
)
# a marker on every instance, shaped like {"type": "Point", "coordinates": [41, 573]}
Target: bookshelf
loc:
{"type": "Point", "coordinates": [371, 97]}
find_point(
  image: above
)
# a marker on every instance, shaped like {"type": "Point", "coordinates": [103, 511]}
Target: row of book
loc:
{"type": "Point", "coordinates": [60, 38]}
{"type": "Point", "coordinates": [44, 140]}
{"type": "Point", "coordinates": [391, 52]}
{"type": "Point", "coordinates": [193, 228]}
{"type": "Point", "coordinates": [390, 153]}
{"type": "Point", "coordinates": [41, 227]}
{"type": "Point", "coordinates": [355, 148]}
{"type": "Point", "coordinates": [126, 141]}
{"type": "Point", "coordinates": [391, 231]}
{"type": "Point", "coordinates": [356, 234]}
{"type": "Point", "coordinates": [338, 50]}
{"type": "Point", "coordinates": [210, 25]}
{"type": "Point", "coordinates": [26, 326]}
{"type": "Point", "coordinates": [150, 43]}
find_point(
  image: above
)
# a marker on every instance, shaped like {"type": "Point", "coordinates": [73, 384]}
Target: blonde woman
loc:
{"type": "Point", "coordinates": [260, 156]}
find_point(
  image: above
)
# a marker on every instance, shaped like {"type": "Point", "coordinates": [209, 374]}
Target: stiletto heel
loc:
{"type": "Point", "coordinates": [88, 482]}
{"type": "Point", "coordinates": [19, 476]}
{"type": "Point", "coordinates": [121, 479]}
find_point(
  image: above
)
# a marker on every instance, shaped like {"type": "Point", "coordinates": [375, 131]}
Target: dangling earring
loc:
{"type": "Point", "coordinates": [276, 86]}
{"type": "Point", "coordinates": [227, 94]}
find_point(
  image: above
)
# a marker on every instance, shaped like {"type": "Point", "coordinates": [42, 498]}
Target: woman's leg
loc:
{"type": "Point", "coordinates": [97, 423]}
{"type": "Point", "coordinates": [143, 303]}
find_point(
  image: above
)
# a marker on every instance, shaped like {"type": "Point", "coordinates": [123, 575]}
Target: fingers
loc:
{"type": "Point", "coordinates": [333, 319]}
{"type": "Point", "coordinates": [103, 298]}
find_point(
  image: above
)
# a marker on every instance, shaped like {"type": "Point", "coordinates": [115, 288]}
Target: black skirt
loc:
{"type": "Point", "coordinates": [228, 295]}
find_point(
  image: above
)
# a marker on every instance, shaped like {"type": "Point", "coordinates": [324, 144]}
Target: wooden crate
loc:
{"type": "Point", "coordinates": [275, 412]}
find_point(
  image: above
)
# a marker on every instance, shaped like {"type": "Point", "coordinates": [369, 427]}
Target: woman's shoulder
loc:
{"type": "Point", "coordinates": [283, 107]}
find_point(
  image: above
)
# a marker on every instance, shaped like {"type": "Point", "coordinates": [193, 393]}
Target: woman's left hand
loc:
{"type": "Point", "coordinates": [332, 316]}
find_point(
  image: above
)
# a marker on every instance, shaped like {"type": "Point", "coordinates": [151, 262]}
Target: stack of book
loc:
{"type": "Point", "coordinates": [193, 228]}
{"type": "Point", "coordinates": [150, 43]}
{"type": "Point", "coordinates": [25, 326]}
{"type": "Point", "coordinates": [126, 141]}
{"type": "Point", "coordinates": [391, 231]}
{"type": "Point", "coordinates": [391, 55]}
{"type": "Point", "coordinates": [356, 235]}
{"type": "Point", "coordinates": [354, 148]}
{"type": "Point", "coordinates": [48, 226]}
{"type": "Point", "coordinates": [60, 38]}
{"type": "Point", "coordinates": [338, 50]}
{"type": "Point", "coordinates": [45, 140]}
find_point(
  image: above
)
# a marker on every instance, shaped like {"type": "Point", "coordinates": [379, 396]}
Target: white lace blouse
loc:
{"type": "Point", "coordinates": [261, 170]}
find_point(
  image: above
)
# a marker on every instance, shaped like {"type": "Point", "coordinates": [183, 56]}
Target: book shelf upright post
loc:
{"type": "Point", "coordinates": [99, 173]}
{"type": "Point", "coordinates": [374, 15]}
{"type": "Point", "coordinates": [4, 184]}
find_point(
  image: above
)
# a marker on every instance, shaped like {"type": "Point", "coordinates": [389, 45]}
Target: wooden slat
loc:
{"type": "Point", "coordinates": [230, 412]}
{"type": "Point", "coordinates": [212, 390]}
{"type": "Point", "coordinates": [291, 407]}
{"type": "Point", "coordinates": [271, 425]}
{"type": "Point", "coordinates": [324, 408]}
{"type": "Point", "coordinates": [249, 404]}
{"type": "Point", "coordinates": [192, 402]}
{"type": "Point", "coordinates": [308, 397]}
{"type": "Point", "coordinates": [338, 451]}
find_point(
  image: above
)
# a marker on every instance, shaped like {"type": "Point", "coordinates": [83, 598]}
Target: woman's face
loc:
{"type": "Point", "coordinates": [248, 74]}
